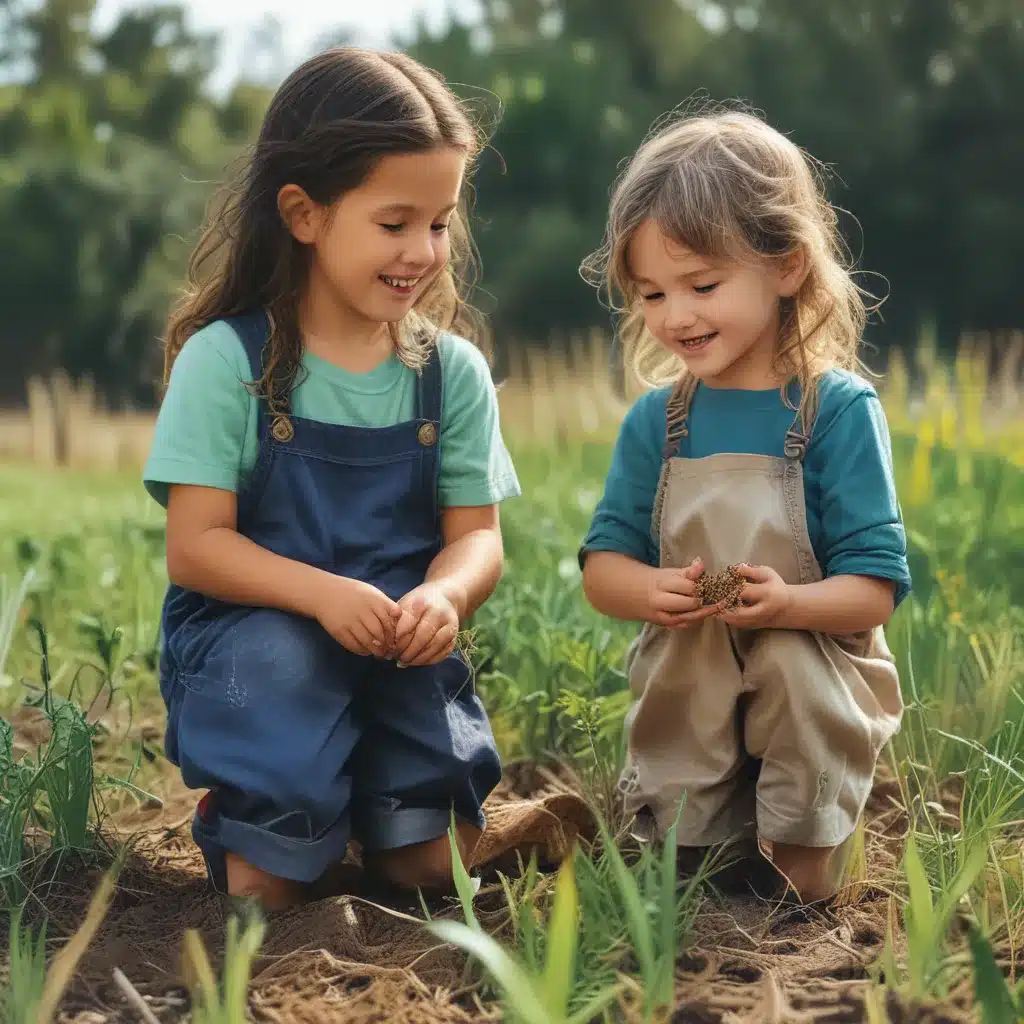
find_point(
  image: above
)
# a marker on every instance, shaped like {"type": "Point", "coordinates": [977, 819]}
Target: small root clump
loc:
{"type": "Point", "coordinates": [721, 586]}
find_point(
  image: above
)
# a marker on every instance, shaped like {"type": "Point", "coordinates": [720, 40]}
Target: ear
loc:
{"type": "Point", "coordinates": [301, 215]}
{"type": "Point", "coordinates": [792, 272]}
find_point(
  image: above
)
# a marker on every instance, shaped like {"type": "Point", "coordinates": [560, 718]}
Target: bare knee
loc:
{"type": "Point", "coordinates": [427, 865]}
{"type": "Point", "coordinates": [813, 871]}
{"type": "Point", "coordinates": [272, 892]}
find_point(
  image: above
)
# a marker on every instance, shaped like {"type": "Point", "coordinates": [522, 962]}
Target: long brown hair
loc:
{"type": "Point", "coordinates": [327, 126]}
{"type": "Point", "coordinates": [725, 184]}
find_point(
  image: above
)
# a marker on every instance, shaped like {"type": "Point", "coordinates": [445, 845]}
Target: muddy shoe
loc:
{"type": "Point", "coordinates": [644, 828]}
{"type": "Point", "coordinates": [691, 861]}
{"type": "Point", "coordinates": [741, 869]}
{"type": "Point", "coordinates": [792, 910]}
{"type": "Point", "coordinates": [376, 888]}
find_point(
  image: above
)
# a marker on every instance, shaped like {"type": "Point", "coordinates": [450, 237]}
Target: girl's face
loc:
{"type": "Point", "coordinates": [720, 318]}
{"type": "Point", "coordinates": [378, 248]}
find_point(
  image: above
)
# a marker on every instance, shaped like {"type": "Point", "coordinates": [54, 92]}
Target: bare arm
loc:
{"type": "Point", "coordinates": [460, 578]}
{"type": "Point", "coordinates": [839, 604]}
{"type": "Point", "coordinates": [618, 586]}
{"type": "Point", "coordinates": [470, 564]}
{"type": "Point", "coordinates": [624, 588]}
{"type": "Point", "coordinates": [206, 553]}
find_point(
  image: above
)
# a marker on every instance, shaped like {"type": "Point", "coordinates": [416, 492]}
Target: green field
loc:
{"type": "Point", "coordinates": [933, 914]}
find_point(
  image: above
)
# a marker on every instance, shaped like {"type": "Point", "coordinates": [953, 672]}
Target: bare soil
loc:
{"type": "Point", "coordinates": [345, 958]}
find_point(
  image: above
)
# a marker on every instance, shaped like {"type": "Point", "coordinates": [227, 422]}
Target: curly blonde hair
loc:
{"type": "Point", "coordinates": [326, 128]}
{"type": "Point", "coordinates": [728, 186]}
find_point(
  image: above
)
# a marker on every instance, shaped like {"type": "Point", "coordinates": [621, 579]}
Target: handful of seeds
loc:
{"type": "Point", "coordinates": [721, 586]}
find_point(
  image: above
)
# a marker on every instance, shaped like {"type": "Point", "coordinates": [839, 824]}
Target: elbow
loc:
{"type": "Point", "coordinates": [494, 572]}
{"type": "Point", "coordinates": [182, 564]}
{"type": "Point", "coordinates": [498, 572]}
{"type": "Point", "coordinates": [590, 588]}
{"type": "Point", "coordinates": [887, 606]}
{"type": "Point", "coordinates": [177, 566]}
{"type": "Point", "coordinates": [883, 603]}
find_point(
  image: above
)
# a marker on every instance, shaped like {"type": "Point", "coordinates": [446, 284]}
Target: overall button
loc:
{"type": "Point", "coordinates": [427, 434]}
{"type": "Point", "coordinates": [282, 429]}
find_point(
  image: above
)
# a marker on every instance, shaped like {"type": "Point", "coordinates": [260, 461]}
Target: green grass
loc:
{"type": "Point", "coordinates": [26, 954]}
{"type": "Point", "coordinates": [224, 1000]}
{"type": "Point", "coordinates": [81, 560]}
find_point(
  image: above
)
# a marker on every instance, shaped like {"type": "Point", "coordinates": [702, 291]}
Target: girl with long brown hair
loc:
{"type": "Point", "coordinates": [330, 456]}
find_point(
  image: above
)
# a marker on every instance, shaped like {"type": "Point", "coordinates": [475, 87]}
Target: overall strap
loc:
{"type": "Point", "coordinates": [798, 437]}
{"type": "Point", "coordinates": [253, 330]}
{"type": "Point", "coordinates": [429, 400]}
{"type": "Point", "coordinates": [430, 388]}
{"type": "Point", "coordinates": [676, 413]}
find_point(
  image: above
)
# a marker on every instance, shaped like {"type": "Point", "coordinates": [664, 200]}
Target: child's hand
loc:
{"type": "Point", "coordinates": [359, 616]}
{"type": "Point", "coordinates": [428, 627]}
{"type": "Point", "coordinates": [673, 599]}
{"type": "Point", "coordinates": [763, 600]}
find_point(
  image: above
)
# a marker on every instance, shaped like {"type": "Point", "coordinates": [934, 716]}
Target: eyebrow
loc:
{"type": "Point", "coordinates": [409, 208]}
{"type": "Point", "coordinates": [688, 273]}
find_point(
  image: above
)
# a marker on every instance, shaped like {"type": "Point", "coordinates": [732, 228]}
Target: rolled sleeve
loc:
{"type": "Point", "coordinates": [862, 530]}
{"type": "Point", "coordinates": [622, 519]}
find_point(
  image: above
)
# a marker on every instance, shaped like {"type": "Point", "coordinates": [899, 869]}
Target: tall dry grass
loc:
{"type": "Point", "coordinates": [573, 391]}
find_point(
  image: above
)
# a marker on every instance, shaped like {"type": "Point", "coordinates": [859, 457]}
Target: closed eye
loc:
{"type": "Point", "coordinates": [705, 289]}
{"type": "Point", "coordinates": [653, 296]}
{"type": "Point", "coordinates": [394, 228]}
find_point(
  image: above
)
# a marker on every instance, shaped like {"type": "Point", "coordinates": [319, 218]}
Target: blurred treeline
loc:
{"type": "Point", "coordinates": [111, 145]}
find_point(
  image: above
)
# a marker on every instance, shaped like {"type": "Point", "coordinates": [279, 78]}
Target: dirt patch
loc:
{"type": "Point", "coordinates": [344, 958]}
{"type": "Point", "coordinates": [340, 957]}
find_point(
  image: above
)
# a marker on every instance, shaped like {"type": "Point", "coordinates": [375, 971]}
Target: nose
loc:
{"type": "Point", "coordinates": [419, 249]}
{"type": "Point", "coordinates": [680, 314]}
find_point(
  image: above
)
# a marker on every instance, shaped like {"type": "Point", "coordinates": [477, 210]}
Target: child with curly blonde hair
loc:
{"type": "Point", "coordinates": [759, 448]}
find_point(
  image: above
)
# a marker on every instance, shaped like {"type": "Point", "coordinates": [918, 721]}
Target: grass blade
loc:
{"type": "Point", "coordinates": [636, 913]}
{"type": "Point", "coordinates": [596, 1006]}
{"type": "Point", "coordinates": [516, 985]}
{"type": "Point", "coordinates": [10, 606]}
{"type": "Point", "coordinates": [919, 918]}
{"type": "Point", "coordinates": [973, 865]}
{"type": "Point", "coordinates": [560, 966]}
{"type": "Point", "coordinates": [200, 978]}
{"type": "Point", "coordinates": [463, 883]}
{"type": "Point", "coordinates": [991, 991]}
{"type": "Point", "coordinates": [668, 903]}
{"type": "Point", "coordinates": [63, 967]}
{"type": "Point", "coordinates": [19, 999]}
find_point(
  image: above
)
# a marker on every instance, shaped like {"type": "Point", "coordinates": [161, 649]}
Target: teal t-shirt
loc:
{"type": "Point", "coordinates": [853, 516]}
{"type": "Point", "coordinates": [206, 430]}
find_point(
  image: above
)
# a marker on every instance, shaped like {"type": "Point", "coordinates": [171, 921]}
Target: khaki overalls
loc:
{"type": "Point", "coordinates": [712, 701]}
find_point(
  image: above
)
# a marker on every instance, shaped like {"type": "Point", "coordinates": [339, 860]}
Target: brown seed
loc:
{"type": "Point", "coordinates": [721, 586]}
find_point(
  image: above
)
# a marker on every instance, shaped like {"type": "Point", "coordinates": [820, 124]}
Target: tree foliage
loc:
{"type": "Point", "coordinates": [110, 145]}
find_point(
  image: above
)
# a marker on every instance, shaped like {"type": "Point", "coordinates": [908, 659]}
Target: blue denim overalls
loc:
{"type": "Point", "coordinates": [302, 743]}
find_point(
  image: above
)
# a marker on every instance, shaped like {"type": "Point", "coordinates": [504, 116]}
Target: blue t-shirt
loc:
{"type": "Point", "coordinates": [853, 516]}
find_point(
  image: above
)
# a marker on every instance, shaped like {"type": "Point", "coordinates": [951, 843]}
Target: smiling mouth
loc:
{"type": "Point", "coordinates": [401, 284]}
{"type": "Point", "coordinates": [692, 343]}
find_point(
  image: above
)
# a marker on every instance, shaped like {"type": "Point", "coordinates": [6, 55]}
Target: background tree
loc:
{"type": "Point", "coordinates": [110, 145]}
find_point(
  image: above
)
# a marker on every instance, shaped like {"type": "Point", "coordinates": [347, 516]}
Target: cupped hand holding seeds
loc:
{"type": "Point", "coordinates": [674, 597]}
{"type": "Point", "coordinates": [759, 599]}
{"type": "Point", "coordinates": [428, 628]}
